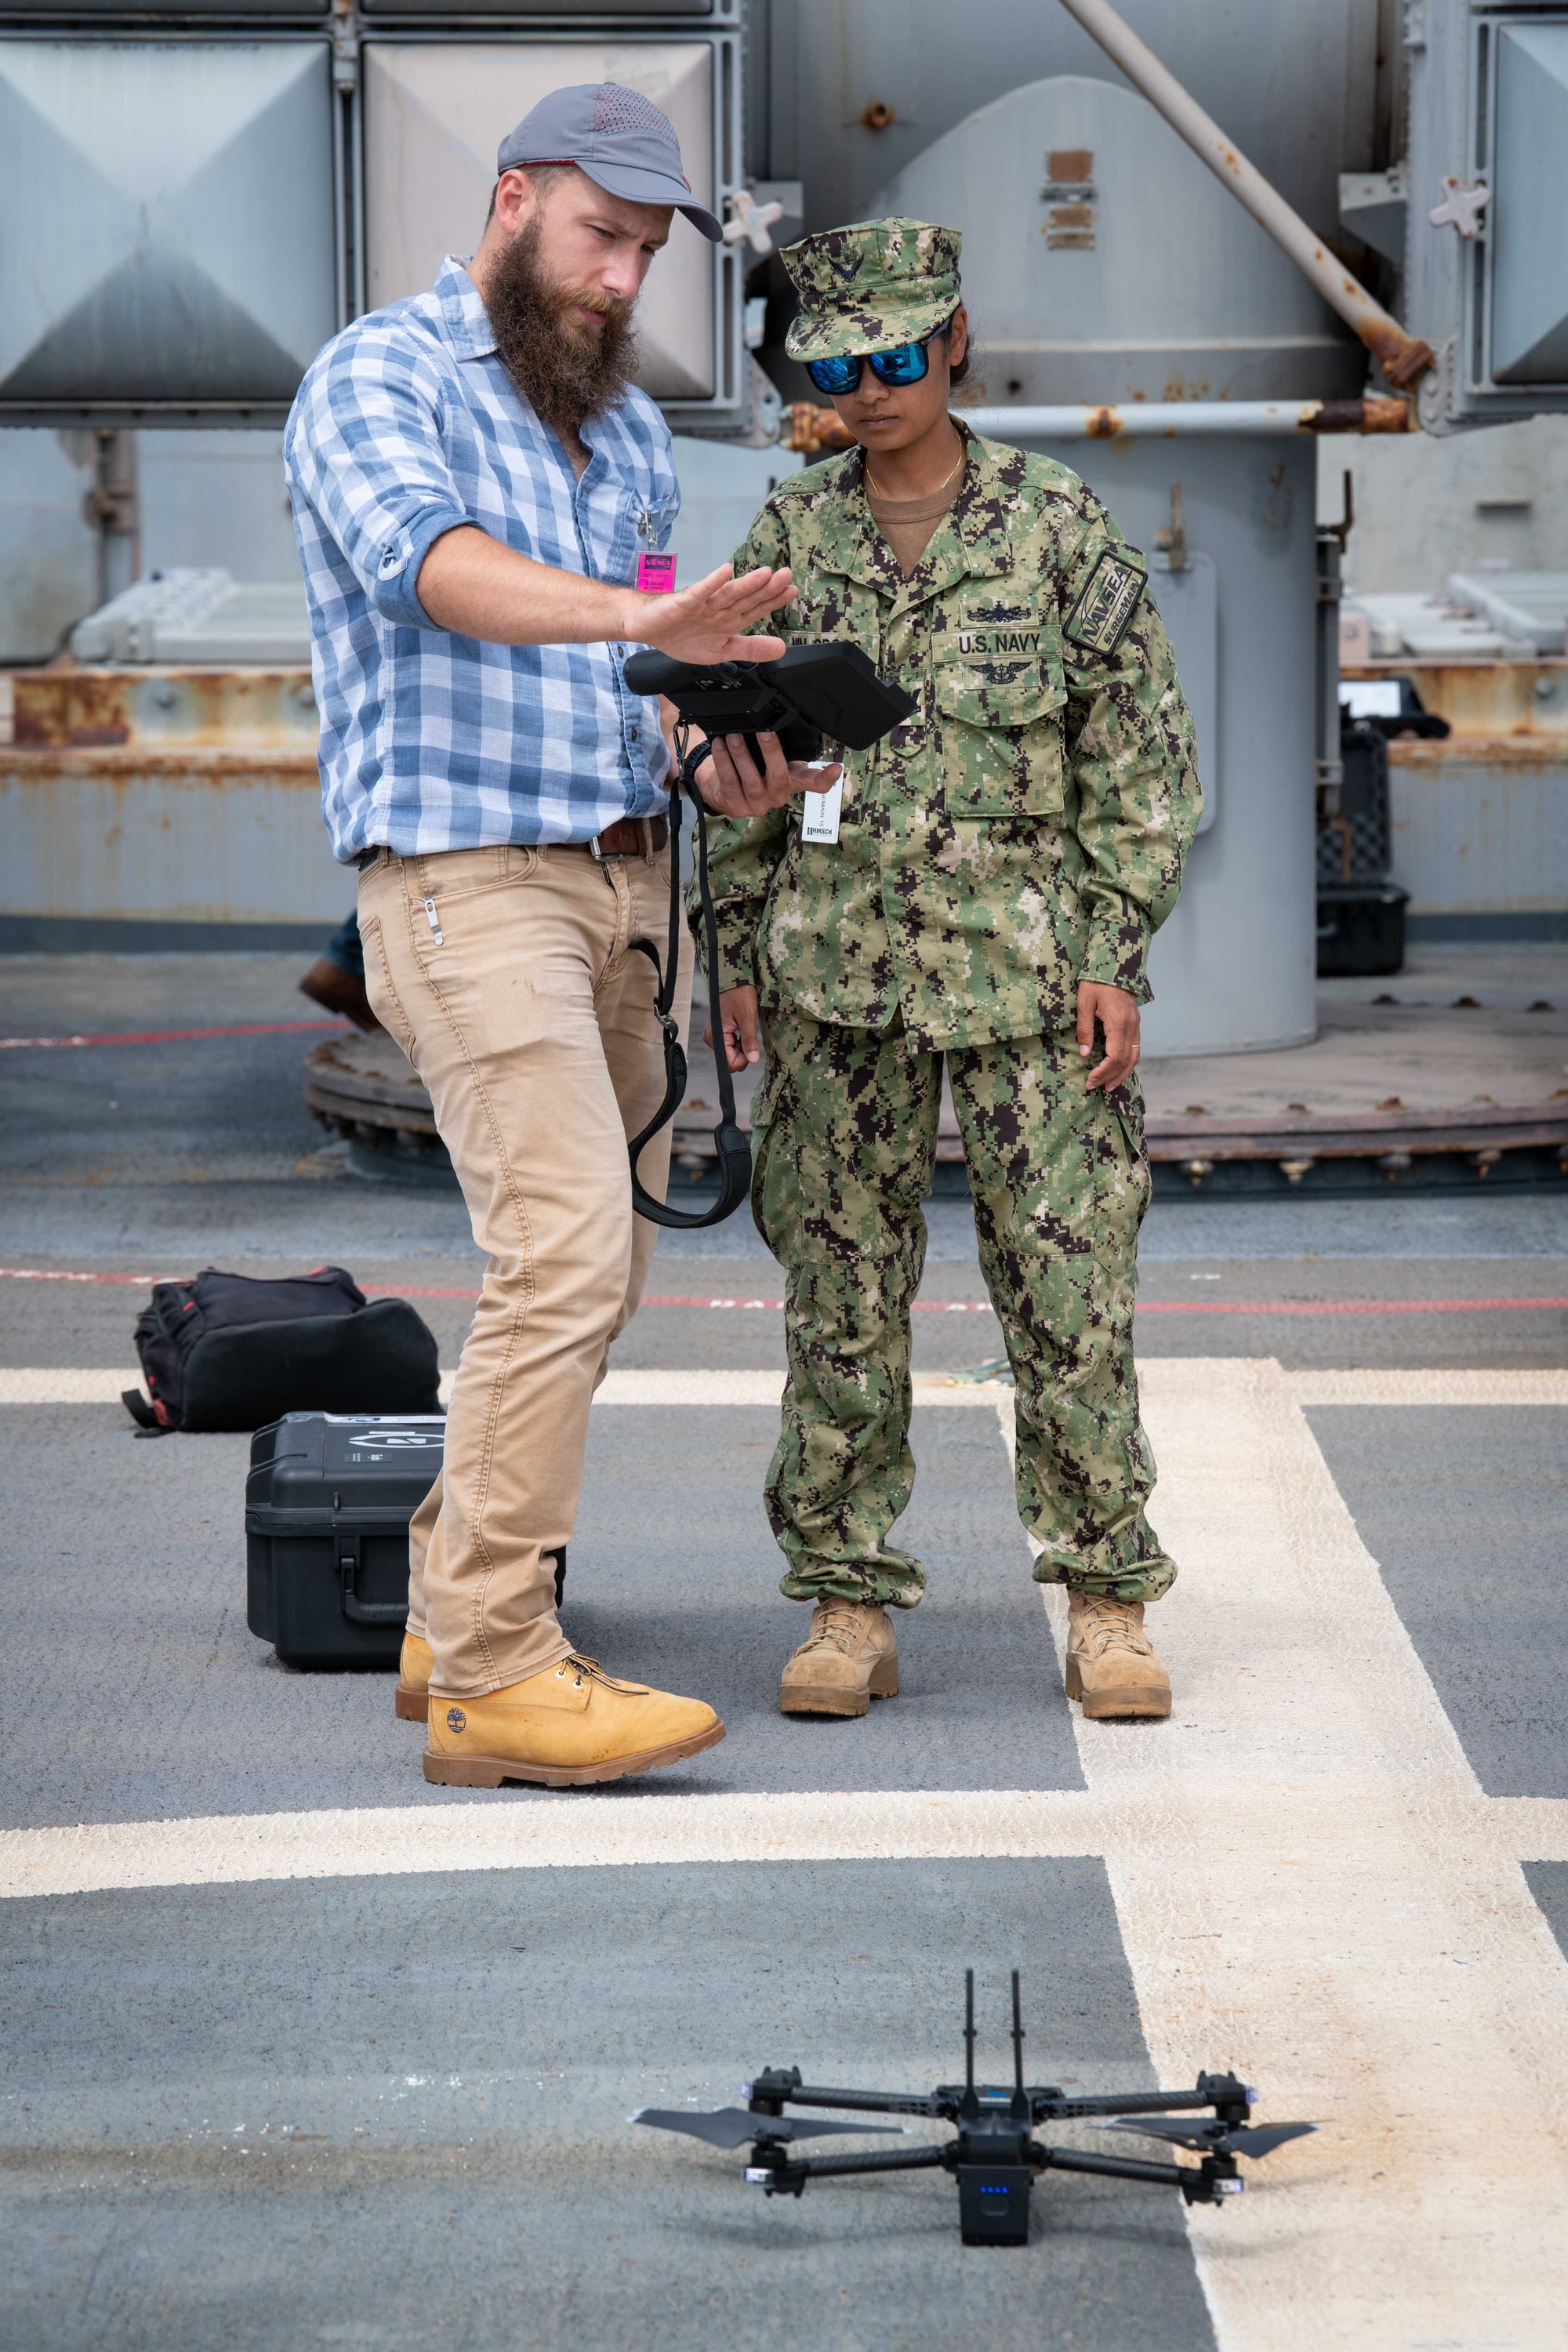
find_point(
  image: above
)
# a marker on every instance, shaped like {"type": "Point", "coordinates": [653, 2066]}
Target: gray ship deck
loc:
{"type": "Point", "coordinates": [301, 2049]}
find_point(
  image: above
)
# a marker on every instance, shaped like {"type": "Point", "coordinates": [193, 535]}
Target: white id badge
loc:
{"type": "Point", "coordinates": [819, 814]}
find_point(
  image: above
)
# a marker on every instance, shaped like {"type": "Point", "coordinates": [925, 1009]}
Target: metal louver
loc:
{"type": "Point", "coordinates": [435, 113]}
{"type": "Point", "coordinates": [1485, 261]}
{"type": "Point", "coordinates": [1530, 234]}
{"type": "Point", "coordinates": [169, 223]}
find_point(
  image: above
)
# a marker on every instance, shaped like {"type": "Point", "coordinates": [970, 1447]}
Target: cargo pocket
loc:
{"type": "Point", "coordinates": [1000, 744]}
{"type": "Point", "coordinates": [764, 1099]}
{"type": "Point", "coordinates": [1125, 1106]}
{"type": "Point", "coordinates": [1127, 1101]}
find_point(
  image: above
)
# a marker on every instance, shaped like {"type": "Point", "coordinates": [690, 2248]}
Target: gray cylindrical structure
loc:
{"type": "Point", "coordinates": [1234, 969]}
{"type": "Point", "coordinates": [1105, 264]}
{"type": "Point", "coordinates": [1151, 284]}
{"type": "Point", "coordinates": [847, 94]}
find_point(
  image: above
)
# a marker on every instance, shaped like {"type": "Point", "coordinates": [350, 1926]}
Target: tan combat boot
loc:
{"type": "Point", "coordinates": [411, 1699]}
{"type": "Point", "coordinates": [848, 1658]}
{"type": "Point", "coordinates": [567, 1727]}
{"type": "Point", "coordinates": [1111, 1665]}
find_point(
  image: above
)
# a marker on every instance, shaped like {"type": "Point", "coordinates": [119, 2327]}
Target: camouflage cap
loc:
{"type": "Point", "coordinates": [870, 286]}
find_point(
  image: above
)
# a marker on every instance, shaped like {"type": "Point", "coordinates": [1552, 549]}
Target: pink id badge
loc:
{"type": "Point", "coordinates": [656, 574]}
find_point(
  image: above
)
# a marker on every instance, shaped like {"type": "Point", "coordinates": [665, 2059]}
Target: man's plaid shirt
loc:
{"type": "Point", "coordinates": [407, 424]}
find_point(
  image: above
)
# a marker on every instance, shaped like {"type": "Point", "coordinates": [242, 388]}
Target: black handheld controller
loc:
{"type": "Point", "coordinates": [811, 696]}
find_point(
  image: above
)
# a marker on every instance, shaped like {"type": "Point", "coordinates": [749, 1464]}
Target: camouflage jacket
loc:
{"type": "Point", "coordinates": [1025, 829]}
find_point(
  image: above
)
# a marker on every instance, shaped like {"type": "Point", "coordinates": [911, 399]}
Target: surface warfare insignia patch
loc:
{"type": "Point", "coordinates": [1103, 614]}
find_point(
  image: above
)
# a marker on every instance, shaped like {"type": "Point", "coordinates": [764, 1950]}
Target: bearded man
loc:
{"type": "Point", "coordinates": [473, 479]}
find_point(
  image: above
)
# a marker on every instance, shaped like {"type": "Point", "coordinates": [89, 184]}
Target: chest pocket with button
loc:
{"type": "Point", "coordinates": [641, 523]}
{"type": "Point", "coordinates": [998, 692]}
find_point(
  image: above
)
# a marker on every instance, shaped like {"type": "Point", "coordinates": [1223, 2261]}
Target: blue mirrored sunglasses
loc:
{"type": "Point", "coordinates": [907, 364]}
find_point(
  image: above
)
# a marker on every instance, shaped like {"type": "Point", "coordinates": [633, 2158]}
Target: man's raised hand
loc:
{"type": "Point", "coordinates": [707, 623]}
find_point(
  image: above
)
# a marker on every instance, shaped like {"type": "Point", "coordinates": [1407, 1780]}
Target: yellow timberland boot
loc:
{"type": "Point", "coordinates": [1111, 1665]}
{"type": "Point", "coordinates": [848, 1658]}
{"type": "Point", "coordinates": [411, 1699]}
{"type": "Point", "coordinates": [567, 1727]}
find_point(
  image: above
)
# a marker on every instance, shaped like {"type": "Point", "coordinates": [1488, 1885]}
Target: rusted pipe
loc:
{"type": "Point", "coordinates": [1377, 414]}
{"type": "Point", "coordinates": [1402, 357]}
{"type": "Point", "coordinates": [812, 430]}
{"type": "Point", "coordinates": [1181, 419]}
{"type": "Point", "coordinates": [815, 432]}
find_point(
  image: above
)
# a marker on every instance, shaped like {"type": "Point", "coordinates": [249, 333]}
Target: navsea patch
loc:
{"type": "Point", "coordinates": [1103, 612]}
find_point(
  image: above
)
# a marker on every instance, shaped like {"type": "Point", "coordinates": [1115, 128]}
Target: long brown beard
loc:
{"type": "Point", "coordinates": [566, 374]}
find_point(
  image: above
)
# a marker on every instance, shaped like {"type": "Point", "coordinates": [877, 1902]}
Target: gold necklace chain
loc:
{"type": "Point", "coordinates": [962, 453]}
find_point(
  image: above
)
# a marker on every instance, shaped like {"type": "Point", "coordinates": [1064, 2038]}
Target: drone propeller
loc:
{"type": "Point", "coordinates": [1217, 2139]}
{"type": "Point", "coordinates": [732, 2126]}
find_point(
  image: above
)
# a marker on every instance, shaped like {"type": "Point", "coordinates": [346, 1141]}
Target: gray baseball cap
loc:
{"type": "Point", "coordinates": [618, 137]}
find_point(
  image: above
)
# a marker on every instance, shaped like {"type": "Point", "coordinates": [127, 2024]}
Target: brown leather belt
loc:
{"type": "Point", "coordinates": [630, 837]}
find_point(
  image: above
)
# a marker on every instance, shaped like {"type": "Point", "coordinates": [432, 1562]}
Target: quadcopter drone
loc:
{"type": "Point", "coordinates": [994, 2158]}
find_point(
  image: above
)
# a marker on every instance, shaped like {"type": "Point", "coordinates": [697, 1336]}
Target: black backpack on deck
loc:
{"type": "Point", "coordinates": [228, 1352]}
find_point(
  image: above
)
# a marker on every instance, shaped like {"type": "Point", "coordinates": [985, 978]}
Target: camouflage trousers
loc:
{"type": "Point", "coordinates": [845, 1137]}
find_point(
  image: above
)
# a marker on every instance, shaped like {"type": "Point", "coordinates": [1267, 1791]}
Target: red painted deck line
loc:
{"type": "Point", "coordinates": [168, 1037]}
{"type": "Point", "coordinates": [932, 1305]}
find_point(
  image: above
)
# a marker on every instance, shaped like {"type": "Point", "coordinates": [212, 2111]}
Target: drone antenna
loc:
{"type": "Point", "coordinates": [1017, 2038]}
{"type": "Point", "coordinates": [969, 2029]}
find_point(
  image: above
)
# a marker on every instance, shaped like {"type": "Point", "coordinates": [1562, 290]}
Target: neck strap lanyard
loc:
{"type": "Point", "coordinates": [734, 1149]}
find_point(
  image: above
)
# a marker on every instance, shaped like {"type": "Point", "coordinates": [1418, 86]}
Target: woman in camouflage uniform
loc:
{"type": "Point", "coordinates": [999, 865]}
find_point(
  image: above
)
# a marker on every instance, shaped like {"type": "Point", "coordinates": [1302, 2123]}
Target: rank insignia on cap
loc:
{"type": "Point", "coordinates": [1103, 612]}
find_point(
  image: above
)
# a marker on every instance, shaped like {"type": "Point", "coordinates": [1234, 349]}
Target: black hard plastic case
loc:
{"type": "Point", "coordinates": [327, 1505]}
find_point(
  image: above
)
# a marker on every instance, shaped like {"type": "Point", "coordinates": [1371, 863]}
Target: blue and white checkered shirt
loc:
{"type": "Point", "coordinates": [407, 424]}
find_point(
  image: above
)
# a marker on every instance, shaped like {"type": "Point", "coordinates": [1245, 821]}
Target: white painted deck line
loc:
{"type": "Point", "coordinates": [1534, 1828]}
{"type": "Point", "coordinates": [844, 1825]}
{"type": "Point", "coordinates": [64, 1384]}
{"type": "Point", "coordinates": [1310, 1886]}
{"type": "Point", "coordinates": [1427, 1388]}
{"type": "Point", "coordinates": [573, 1834]}
{"type": "Point", "coordinates": [56, 1384]}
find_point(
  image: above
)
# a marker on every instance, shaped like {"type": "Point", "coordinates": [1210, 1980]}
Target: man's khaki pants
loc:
{"type": "Point", "coordinates": [507, 978]}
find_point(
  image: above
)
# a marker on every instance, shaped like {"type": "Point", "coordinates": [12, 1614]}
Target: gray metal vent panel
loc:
{"type": "Point", "coordinates": [433, 11]}
{"type": "Point", "coordinates": [1486, 264]}
{"type": "Point", "coordinates": [1530, 181]}
{"type": "Point", "coordinates": [55, 11]}
{"type": "Point", "coordinates": [168, 212]}
{"type": "Point", "coordinates": [435, 113]}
